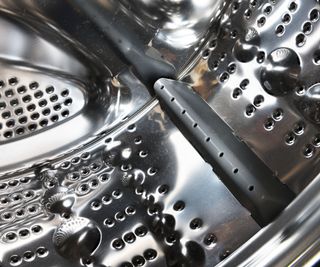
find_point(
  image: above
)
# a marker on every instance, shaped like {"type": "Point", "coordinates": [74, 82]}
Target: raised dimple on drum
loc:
{"type": "Point", "coordinates": [280, 74]}
{"type": "Point", "coordinates": [77, 238]}
{"type": "Point", "coordinates": [58, 200]}
{"type": "Point", "coordinates": [276, 49]}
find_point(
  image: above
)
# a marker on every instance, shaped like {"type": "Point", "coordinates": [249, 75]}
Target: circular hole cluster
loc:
{"type": "Point", "coordinates": [14, 183]}
{"type": "Point", "coordinates": [28, 256]}
{"type": "Point", "coordinates": [276, 116]}
{"type": "Point", "coordinates": [309, 150]}
{"type": "Point", "coordinates": [22, 233]}
{"type": "Point", "coordinates": [107, 199]}
{"type": "Point", "coordinates": [237, 92]}
{"type": "Point", "coordinates": [138, 260]}
{"type": "Point", "coordinates": [128, 238]}
{"type": "Point", "coordinates": [26, 108]}
{"type": "Point", "coordinates": [297, 130]}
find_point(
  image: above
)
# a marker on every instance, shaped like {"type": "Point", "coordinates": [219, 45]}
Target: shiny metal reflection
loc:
{"type": "Point", "coordinates": [112, 181]}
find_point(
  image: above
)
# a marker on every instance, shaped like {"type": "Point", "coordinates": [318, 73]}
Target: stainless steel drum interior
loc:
{"type": "Point", "coordinates": [166, 133]}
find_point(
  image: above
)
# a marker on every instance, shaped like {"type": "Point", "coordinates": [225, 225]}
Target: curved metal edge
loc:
{"type": "Point", "coordinates": [291, 240]}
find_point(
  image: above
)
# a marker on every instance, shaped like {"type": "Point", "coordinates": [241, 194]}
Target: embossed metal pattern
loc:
{"type": "Point", "coordinates": [130, 199]}
{"type": "Point", "coordinates": [93, 172]}
{"type": "Point", "coordinates": [53, 98]}
{"type": "Point", "coordinates": [259, 74]}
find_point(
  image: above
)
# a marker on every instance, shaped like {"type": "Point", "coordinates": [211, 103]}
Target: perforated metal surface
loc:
{"type": "Point", "coordinates": [53, 98]}
{"type": "Point", "coordinates": [94, 173]}
{"type": "Point", "coordinates": [133, 195]}
{"type": "Point", "coordinates": [259, 75]}
{"type": "Point", "coordinates": [29, 104]}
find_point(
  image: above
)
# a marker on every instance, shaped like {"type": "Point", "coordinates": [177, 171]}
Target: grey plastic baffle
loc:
{"type": "Point", "coordinates": [245, 175]}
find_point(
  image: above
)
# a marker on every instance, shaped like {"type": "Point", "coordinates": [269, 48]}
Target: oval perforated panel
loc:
{"type": "Point", "coordinates": [31, 101]}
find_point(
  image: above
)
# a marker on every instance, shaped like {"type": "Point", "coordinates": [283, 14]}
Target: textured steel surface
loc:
{"type": "Point", "coordinates": [54, 99]}
{"type": "Point", "coordinates": [114, 182]}
{"type": "Point", "coordinates": [292, 240]}
{"type": "Point", "coordinates": [131, 197]}
{"type": "Point", "coordinates": [29, 105]}
{"type": "Point", "coordinates": [259, 73]}
{"type": "Point", "coordinates": [246, 176]}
